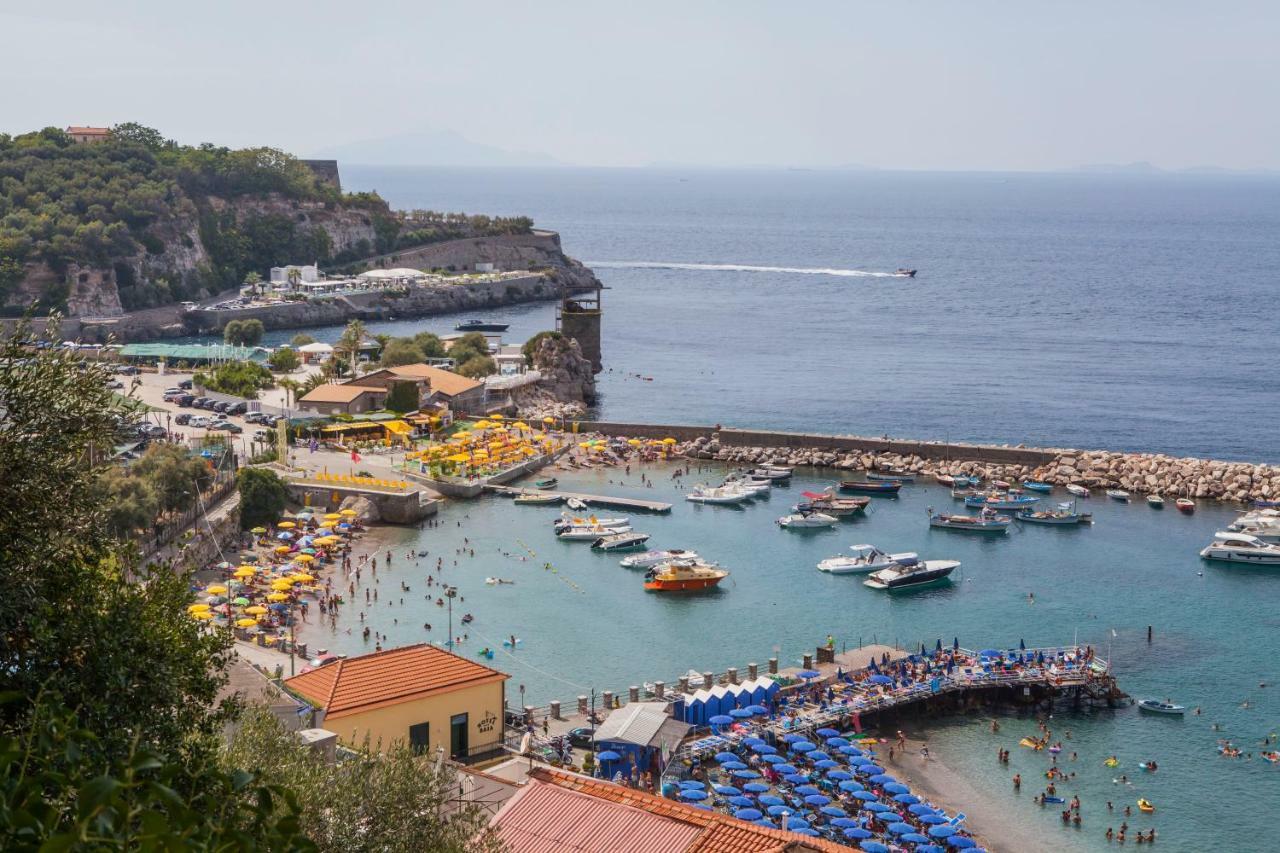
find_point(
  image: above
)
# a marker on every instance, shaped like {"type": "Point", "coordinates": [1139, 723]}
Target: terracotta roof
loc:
{"type": "Point", "coordinates": [89, 131]}
{"type": "Point", "coordinates": [444, 381]}
{"type": "Point", "coordinates": [381, 679]}
{"type": "Point", "coordinates": [719, 833]}
{"type": "Point", "coordinates": [337, 393]}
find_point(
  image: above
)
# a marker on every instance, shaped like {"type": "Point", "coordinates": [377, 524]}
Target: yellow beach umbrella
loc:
{"type": "Point", "coordinates": [347, 512]}
{"type": "Point", "coordinates": [282, 549]}
{"type": "Point", "coordinates": [497, 417]}
{"type": "Point", "coordinates": [462, 433]}
{"type": "Point", "coordinates": [216, 589]}
{"type": "Point", "coordinates": [668, 440]}
{"type": "Point", "coordinates": [196, 608]}
{"type": "Point", "coordinates": [256, 610]}
{"type": "Point", "coordinates": [332, 515]}
{"type": "Point", "coordinates": [245, 572]}
{"type": "Point", "coordinates": [520, 425]}
{"type": "Point", "coordinates": [282, 584]}
{"type": "Point", "coordinates": [482, 424]}
{"type": "Point", "coordinates": [201, 614]}
{"type": "Point", "coordinates": [634, 442]}
{"type": "Point", "coordinates": [303, 558]}
{"type": "Point", "coordinates": [246, 623]}
{"type": "Point", "coordinates": [301, 577]}
{"type": "Point", "coordinates": [277, 596]}
{"type": "Point", "coordinates": [286, 525]}
{"type": "Point", "coordinates": [548, 420]}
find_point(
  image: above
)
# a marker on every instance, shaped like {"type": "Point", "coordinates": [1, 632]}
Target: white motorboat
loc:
{"type": "Point", "coordinates": [1231, 547]}
{"type": "Point", "coordinates": [865, 558]}
{"type": "Point", "coordinates": [723, 495]}
{"type": "Point", "coordinates": [649, 559]}
{"type": "Point", "coordinates": [754, 488]}
{"type": "Point", "coordinates": [568, 519]}
{"type": "Point", "coordinates": [807, 520]}
{"type": "Point", "coordinates": [777, 473]}
{"type": "Point", "coordinates": [620, 541]}
{"type": "Point", "coordinates": [1078, 490]}
{"type": "Point", "coordinates": [588, 533]}
{"type": "Point", "coordinates": [913, 574]}
{"type": "Point", "coordinates": [1118, 495]}
{"type": "Point", "coordinates": [1258, 519]}
{"type": "Point", "coordinates": [1155, 706]}
{"type": "Point", "coordinates": [1269, 534]}
{"type": "Point", "coordinates": [576, 504]}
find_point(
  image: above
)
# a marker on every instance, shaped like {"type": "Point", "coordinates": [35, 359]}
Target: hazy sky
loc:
{"type": "Point", "coordinates": [919, 85]}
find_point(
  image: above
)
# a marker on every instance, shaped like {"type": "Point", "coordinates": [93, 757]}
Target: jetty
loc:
{"type": "Point", "coordinates": [634, 504]}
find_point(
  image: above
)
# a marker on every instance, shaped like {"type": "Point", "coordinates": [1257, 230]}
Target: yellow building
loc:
{"type": "Point", "coordinates": [420, 695]}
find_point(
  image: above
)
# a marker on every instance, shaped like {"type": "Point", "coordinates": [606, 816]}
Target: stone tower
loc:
{"type": "Point", "coordinates": [579, 317]}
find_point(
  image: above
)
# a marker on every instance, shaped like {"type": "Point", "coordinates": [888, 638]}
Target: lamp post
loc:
{"type": "Point", "coordinates": [449, 594]}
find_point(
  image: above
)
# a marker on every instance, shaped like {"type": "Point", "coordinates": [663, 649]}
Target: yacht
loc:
{"type": "Point", "coordinates": [477, 325]}
{"type": "Point", "coordinates": [807, 520]}
{"type": "Point", "coordinates": [865, 558]}
{"type": "Point", "coordinates": [1232, 547]}
{"type": "Point", "coordinates": [649, 559]}
{"type": "Point", "coordinates": [683, 576]}
{"type": "Point", "coordinates": [912, 574]}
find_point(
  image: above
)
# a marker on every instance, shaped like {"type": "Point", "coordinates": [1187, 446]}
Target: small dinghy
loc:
{"type": "Point", "coordinates": [1078, 490]}
{"type": "Point", "coordinates": [1118, 495]}
{"type": "Point", "coordinates": [1155, 706]}
{"type": "Point", "coordinates": [1155, 501]}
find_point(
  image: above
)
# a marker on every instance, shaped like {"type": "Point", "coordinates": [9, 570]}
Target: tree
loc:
{"type": "Point", "coordinates": [430, 344]}
{"type": "Point", "coordinates": [263, 496]}
{"type": "Point", "coordinates": [478, 366]}
{"type": "Point", "coordinates": [531, 345]}
{"type": "Point", "coordinates": [401, 351]}
{"type": "Point", "coordinates": [403, 397]}
{"type": "Point", "coordinates": [148, 137]}
{"type": "Point", "coordinates": [312, 382]}
{"type": "Point", "coordinates": [239, 378]}
{"type": "Point", "coordinates": [174, 476]}
{"type": "Point", "coordinates": [468, 346]}
{"type": "Point", "coordinates": [301, 340]}
{"type": "Point", "coordinates": [369, 801]}
{"type": "Point", "coordinates": [252, 280]}
{"type": "Point", "coordinates": [295, 276]}
{"type": "Point", "coordinates": [291, 387]}
{"type": "Point", "coordinates": [130, 503]}
{"type": "Point", "coordinates": [284, 360]}
{"type": "Point", "coordinates": [349, 343]}
{"type": "Point", "coordinates": [243, 333]}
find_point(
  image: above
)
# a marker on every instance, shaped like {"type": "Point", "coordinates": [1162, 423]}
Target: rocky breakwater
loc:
{"type": "Point", "coordinates": [566, 384]}
{"type": "Point", "coordinates": [1140, 473]}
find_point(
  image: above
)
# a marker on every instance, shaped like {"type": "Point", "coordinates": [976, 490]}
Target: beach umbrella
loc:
{"type": "Point", "coordinates": [873, 847]}
{"type": "Point", "coordinates": [907, 799]}
{"type": "Point", "coordinates": [836, 742]}
{"type": "Point", "coordinates": [748, 814]}
{"type": "Point", "coordinates": [942, 831]}
{"type": "Point", "coordinates": [258, 530]}
{"type": "Point", "coordinates": [349, 513]}
{"type": "Point", "coordinates": [839, 775]}
{"type": "Point", "coordinates": [817, 755]}
{"type": "Point", "coordinates": [286, 536]}
{"type": "Point", "coordinates": [832, 811]}
{"type": "Point", "coordinates": [240, 602]}
{"type": "Point", "coordinates": [195, 607]}
{"type": "Point", "coordinates": [850, 750]}
{"type": "Point", "coordinates": [201, 614]}
{"type": "Point", "coordinates": [828, 733]}
{"type": "Point", "coordinates": [726, 790]}
{"type": "Point", "coordinates": [758, 710]}
{"type": "Point", "coordinates": [764, 821]}
{"type": "Point", "coordinates": [850, 785]}
{"type": "Point", "coordinates": [778, 810]}
{"type": "Point", "coordinates": [739, 713]}
{"type": "Point", "coordinates": [746, 774]}
{"type": "Point", "coordinates": [279, 608]}
{"type": "Point", "coordinates": [726, 756]}
{"type": "Point", "coordinates": [256, 610]}
{"type": "Point", "coordinates": [282, 549]}
{"type": "Point", "coordinates": [864, 795]}
{"type": "Point", "coordinates": [826, 764]}
{"type": "Point", "coordinates": [764, 749]}
{"type": "Point", "coordinates": [901, 828]}
{"type": "Point", "coordinates": [876, 807]}
{"type": "Point", "coordinates": [286, 525]}
{"type": "Point", "coordinates": [215, 589]}
{"type": "Point", "coordinates": [771, 800]}
{"type": "Point", "coordinates": [608, 755]}
{"type": "Point", "coordinates": [920, 808]}
{"type": "Point", "coordinates": [794, 823]}
{"type": "Point", "coordinates": [870, 770]}
{"type": "Point", "coordinates": [741, 801]}
{"type": "Point", "coordinates": [245, 572]}
{"type": "Point", "coordinates": [756, 788]}
{"type": "Point", "coordinates": [860, 760]}
{"type": "Point", "coordinates": [806, 674]}
{"type": "Point", "coordinates": [793, 738]}
{"type": "Point", "coordinates": [893, 787]}
{"type": "Point", "coordinates": [693, 783]}
{"type": "Point", "coordinates": [806, 790]}
{"type": "Point", "coordinates": [844, 823]}
{"type": "Point", "coordinates": [246, 623]}
{"type": "Point", "coordinates": [301, 577]}
{"type": "Point", "coordinates": [303, 558]}
{"type": "Point", "coordinates": [785, 768]}
{"type": "Point", "coordinates": [879, 679]}
{"type": "Point", "coordinates": [802, 746]}
{"type": "Point", "coordinates": [692, 794]}
{"type": "Point", "coordinates": [857, 833]}
{"type": "Point", "coordinates": [732, 765]}
{"type": "Point", "coordinates": [772, 759]}
{"type": "Point", "coordinates": [796, 778]}
{"type": "Point", "coordinates": [817, 799]}
{"type": "Point", "coordinates": [721, 720]}
{"type": "Point", "coordinates": [914, 838]}
{"type": "Point", "coordinates": [960, 842]}
{"type": "Point", "coordinates": [933, 819]}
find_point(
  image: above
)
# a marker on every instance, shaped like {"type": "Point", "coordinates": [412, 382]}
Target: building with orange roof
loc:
{"type": "Point", "coordinates": [88, 135]}
{"type": "Point", "coordinates": [421, 695]}
{"type": "Point", "coordinates": [560, 811]}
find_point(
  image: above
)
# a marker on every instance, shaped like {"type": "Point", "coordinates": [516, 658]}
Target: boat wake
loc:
{"type": "Point", "coordinates": [665, 265]}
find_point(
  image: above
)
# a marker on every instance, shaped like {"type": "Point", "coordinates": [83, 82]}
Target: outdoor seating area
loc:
{"type": "Point", "coordinates": [484, 448]}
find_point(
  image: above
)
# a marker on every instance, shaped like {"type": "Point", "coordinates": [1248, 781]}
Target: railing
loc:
{"type": "Point", "coordinates": [478, 754]}
{"type": "Point", "coordinates": [322, 479]}
{"type": "Point", "coordinates": [165, 533]}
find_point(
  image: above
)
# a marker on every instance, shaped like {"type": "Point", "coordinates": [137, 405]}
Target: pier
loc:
{"type": "Point", "coordinates": [634, 504]}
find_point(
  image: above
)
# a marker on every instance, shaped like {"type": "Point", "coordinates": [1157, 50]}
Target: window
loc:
{"type": "Point", "coordinates": [420, 737]}
{"type": "Point", "coordinates": [458, 736]}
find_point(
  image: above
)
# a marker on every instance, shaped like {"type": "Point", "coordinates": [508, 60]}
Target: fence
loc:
{"type": "Point", "coordinates": [164, 534]}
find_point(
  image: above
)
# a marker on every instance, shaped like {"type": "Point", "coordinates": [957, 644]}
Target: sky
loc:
{"type": "Point", "coordinates": [928, 84]}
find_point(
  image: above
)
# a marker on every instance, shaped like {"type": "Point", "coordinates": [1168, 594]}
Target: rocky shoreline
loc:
{"type": "Point", "coordinates": [1140, 473]}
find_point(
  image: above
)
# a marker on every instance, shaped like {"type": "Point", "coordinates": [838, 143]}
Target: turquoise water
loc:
{"type": "Point", "coordinates": [590, 624]}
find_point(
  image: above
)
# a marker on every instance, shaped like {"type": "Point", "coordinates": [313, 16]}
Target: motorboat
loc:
{"type": "Point", "coordinates": [1231, 547]}
{"type": "Point", "coordinates": [1037, 486]}
{"type": "Point", "coordinates": [945, 479]}
{"type": "Point", "coordinates": [962, 480]}
{"type": "Point", "coordinates": [905, 273]}
{"type": "Point", "coordinates": [588, 532]}
{"type": "Point", "coordinates": [753, 488]}
{"type": "Point", "coordinates": [1267, 533]}
{"type": "Point", "coordinates": [865, 558]}
{"type": "Point", "coordinates": [1002, 485]}
{"type": "Point", "coordinates": [548, 483]}
{"type": "Point", "coordinates": [776, 473]}
{"type": "Point", "coordinates": [568, 519]}
{"type": "Point", "coordinates": [498, 581]}
{"type": "Point", "coordinates": [1155, 706]}
{"type": "Point", "coordinates": [912, 575]}
{"type": "Point", "coordinates": [827, 502]}
{"type": "Point", "coordinates": [683, 576]}
{"type": "Point", "coordinates": [704, 494]}
{"type": "Point", "coordinates": [960, 493]}
{"type": "Point", "coordinates": [576, 504]}
{"type": "Point", "coordinates": [985, 522]}
{"type": "Point", "coordinates": [537, 499]}
{"type": "Point", "coordinates": [1265, 518]}
{"type": "Point", "coordinates": [1118, 495]}
{"type": "Point", "coordinates": [1064, 514]}
{"type": "Point", "coordinates": [1155, 501]}
{"type": "Point", "coordinates": [1078, 490]}
{"type": "Point", "coordinates": [892, 475]}
{"type": "Point", "coordinates": [807, 520]}
{"type": "Point", "coordinates": [870, 487]}
{"type": "Point", "coordinates": [1185, 505]}
{"type": "Point", "coordinates": [996, 501]}
{"type": "Point", "coordinates": [649, 559]}
{"type": "Point", "coordinates": [477, 325]}
{"type": "Point", "coordinates": [620, 541]}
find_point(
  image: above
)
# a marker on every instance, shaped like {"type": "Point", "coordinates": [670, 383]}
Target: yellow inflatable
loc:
{"type": "Point", "coordinates": [1111, 762]}
{"type": "Point", "coordinates": [1145, 806]}
{"type": "Point", "coordinates": [1034, 744]}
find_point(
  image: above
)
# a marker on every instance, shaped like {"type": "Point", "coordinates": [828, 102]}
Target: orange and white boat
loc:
{"type": "Point", "coordinates": [683, 576]}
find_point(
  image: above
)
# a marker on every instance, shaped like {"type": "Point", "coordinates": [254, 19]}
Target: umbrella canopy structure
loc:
{"type": "Point", "coordinates": [907, 799]}
{"type": "Point", "coordinates": [806, 674]}
{"type": "Point", "coordinates": [772, 759]}
{"type": "Point", "coordinates": [756, 788]}
{"type": "Point", "coordinates": [764, 749]}
{"type": "Point", "coordinates": [608, 755]}
{"type": "Point", "coordinates": [817, 799]}
{"type": "Point", "coordinates": [733, 765]}
{"type": "Point", "coordinates": [901, 828]}
{"type": "Point", "coordinates": [960, 842]}
{"type": "Point", "coordinates": [748, 814]}
{"type": "Point", "coordinates": [856, 833]}
{"type": "Point", "coordinates": [864, 795]}
{"type": "Point", "coordinates": [726, 790]}
{"type": "Point", "coordinates": [873, 847]}
{"type": "Point", "coordinates": [828, 732]}
{"type": "Point", "coordinates": [746, 774]}
{"type": "Point", "coordinates": [726, 756]}
{"type": "Point", "coordinates": [802, 746]}
{"type": "Point", "coordinates": [933, 819]}
{"type": "Point", "coordinates": [741, 801]}
{"type": "Point", "coordinates": [850, 786]}
{"type": "Point", "coordinates": [692, 794]}
{"type": "Point", "coordinates": [833, 811]}
{"type": "Point", "coordinates": [942, 831]}
{"type": "Point", "coordinates": [721, 720]}
{"type": "Point", "coordinates": [771, 800]}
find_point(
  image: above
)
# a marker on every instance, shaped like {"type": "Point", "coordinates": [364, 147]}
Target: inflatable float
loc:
{"type": "Point", "coordinates": [1112, 762]}
{"type": "Point", "coordinates": [507, 643]}
{"type": "Point", "coordinates": [1033, 744]}
{"type": "Point", "coordinates": [1144, 805]}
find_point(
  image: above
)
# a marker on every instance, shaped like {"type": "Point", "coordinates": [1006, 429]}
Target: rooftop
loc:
{"type": "Point", "coordinates": [382, 679]}
{"type": "Point", "coordinates": [445, 381]}
{"type": "Point", "coordinates": [194, 352]}
{"type": "Point", "coordinates": [89, 131]}
{"type": "Point", "coordinates": [337, 393]}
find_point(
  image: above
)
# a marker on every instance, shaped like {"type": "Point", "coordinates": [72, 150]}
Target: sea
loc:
{"type": "Point", "coordinates": [1099, 311]}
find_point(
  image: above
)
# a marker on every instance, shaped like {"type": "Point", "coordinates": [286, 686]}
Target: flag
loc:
{"type": "Point", "coordinates": [355, 457]}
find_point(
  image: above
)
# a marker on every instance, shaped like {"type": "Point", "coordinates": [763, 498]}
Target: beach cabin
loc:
{"type": "Point", "coordinates": [643, 734]}
{"type": "Point", "coordinates": [695, 708]}
{"type": "Point", "coordinates": [720, 702]}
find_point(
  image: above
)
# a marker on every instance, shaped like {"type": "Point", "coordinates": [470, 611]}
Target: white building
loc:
{"type": "Point", "coordinates": [307, 273]}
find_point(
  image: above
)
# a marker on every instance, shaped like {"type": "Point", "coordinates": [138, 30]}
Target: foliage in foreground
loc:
{"type": "Point", "coordinates": [262, 496]}
{"type": "Point", "coordinates": [239, 378]}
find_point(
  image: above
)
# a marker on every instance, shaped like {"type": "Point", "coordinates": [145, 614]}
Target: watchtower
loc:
{"type": "Point", "coordinates": [579, 317]}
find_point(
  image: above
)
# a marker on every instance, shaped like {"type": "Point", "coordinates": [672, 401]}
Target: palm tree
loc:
{"type": "Point", "coordinates": [291, 387]}
{"type": "Point", "coordinates": [350, 342]}
{"type": "Point", "coordinates": [253, 280]}
{"type": "Point", "coordinates": [295, 276]}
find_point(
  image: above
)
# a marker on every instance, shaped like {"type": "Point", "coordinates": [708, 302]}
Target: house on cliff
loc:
{"type": "Point", "coordinates": [436, 386]}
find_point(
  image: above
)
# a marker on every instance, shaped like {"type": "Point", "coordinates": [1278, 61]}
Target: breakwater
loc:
{"type": "Point", "coordinates": [1142, 473]}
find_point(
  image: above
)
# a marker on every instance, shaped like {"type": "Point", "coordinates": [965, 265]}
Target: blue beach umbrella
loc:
{"type": "Point", "coordinates": [832, 811]}
{"type": "Point", "coordinates": [864, 795]}
{"type": "Point", "coordinates": [726, 790]}
{"type": "Point", "coordinates": [779, 810]}
{"type": "Point", "coordinates": [764, 821]}
{"type": "Point", "coordinates": [906, 799]}
{"type": "Point", "coordinates": [806, 790]}
{"type": "Point", "coordinates": [851, 750]}
{"type": "Point", "coordinates": [793, 737]}
{"type": "Point", "coordinates": [960, 842]}
{"type": "Point", "coordinates": [727, 756]}
{"type": "Point", "coordinates": [889, 785]}
{"type": "Point", "coordinates": [839, 775]}
{"type": "Point", "coordinates": [850, 786]}
{"type": "Point", "coordinates": [901, 828]}
{"type": "Point", "coordinates": [828, 732]}
{"type": "Point", "coordinates": [836, 742]}
{"type": "Point", "coordinates": [860, 760]}
{"type": "Point", "coordinates": [942, 831]}
{"type": "Point", "coordinates": [785, 768]}
{"type": "Point", "coordinates": [931, 848]}
{"type": "Point", "coordinates": [721, 720]}
{"type": "Point", "coordinates": [756, 788]}
{"type": "Point", "coordinates": [873, 847]}
{"type": "Point", "coordinates": [857, 833]}
{"type": "Point", "coordinates": [844, 823]}
{"type": "Point", "coordinates": [796, 778]}
{"type": "Point", "coordinates": [914, 838]}
{"type": "Point", "coordinates": [933, 819]}
{"type": "Point", "coordinates": [607, 755]}
{"type": "Point", "coordinates": [750, 739]}
{"type": "Point", "coordinates": [758, 710]}
{"type": "Point", "coordinates": [692, 794]}
{"type": "Point", "coordinates": [797, 823]}
{"type": "Point", "coordinates": [883, 779]}
{"type": "Point", "coordinates": [739, 713]}
{"type": "Point", "coordinates": [879, 679]}
{"type": "Point", "coordinates": [817, 800]}
{"type": "Point", "coordinates": [806, 674]}
{"type": "Point", "coordinates": [742, 802]}
{"type": "Point", "coordinates": [773, 759]}
{"type": "Point", "coordinates": [733, 765]}
{"type": "Point", "coordinates": [877, 807]}
{"type": "Point", "coordinates": [920, 809]}
{"type": "Point", "coordinates": [802, 746]}
{"type": "Point", "coordinates": [870, 770]}
{"type": "Point", "coordinates": [748, 814]}
{"type": "Point", "coordinates": [764, 749]}
{"type": "Point", "coordinates": [746, 774]}
{"type": "Point", "coordinates": [826, 764]}
{"type": "Point", "coordinates": [693, 783]}
{"type": "Point", "coordinates": [771, 800]}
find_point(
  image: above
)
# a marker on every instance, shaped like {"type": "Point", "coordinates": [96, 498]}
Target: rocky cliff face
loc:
{"type": "Point", "coordinates": [568, 383]}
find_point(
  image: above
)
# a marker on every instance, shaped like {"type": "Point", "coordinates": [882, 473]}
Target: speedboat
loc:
{"type": "Point", "coordinates": [962, 480]}
{"type": "Point", "coordinates": [548, 483]}
{"type": "Point", "coordinates": [475, 325]}
{"type": "Point", "coordinates": [807, 520]}
{"type": "Point", "coordinates": [1155, 501]}
{"type": "Point", "coordinates": [906, 273]}
{"type": "Point", "coordinates": [869, 487]}
{"type": "Point", "coordinates": [776, 473]}
{"type": "Point", "coordinates": [985, 522]}
{"type": "Point", "coordinates": [703, 494]}
{"type": "Point", "coordinates": [1232, 547]}
{"type": "Point", "coordinates": [620, 541]}
{"type": "Point", "coordinates": [1118, 495]}
{"type": "Point", "coordinates": [1078, 490]}
{"type": "Point", "coordinates": [1265, 518]}
{"type": "Point", "coordinates": [912, 574]}
{"type": "Point", "coordinates": [649, 559]}
{"type": "Point", "coordinates": [537, 499]}
{"type": "Point", "coordinates": [827, 502]}
{"type": "Point", "coordinates": [1155, 706]}
{"type": "Point", "coordinates": [1064, 514]}
{"type": "Point", "coordinates": [1037, 486]}
{"type": "Point", "coordinates": [1000, 501]}
{"type": "Point", "coordinates": [866, 558]}
{"type": "Point", "coordinates": [945, 479]}
{"type": "Point", "coordinates": [576, 503]}
{"type": "Point", "coordinates": [568, 519]}
{"type": "Point", "coordinates": [1185, 505]}
{"type": "Point", "coordinates": [588, 533]}
{"type": "Point", "coordinates": [753, 488]}
{"type": "Point", "coordinates": [683, 576]}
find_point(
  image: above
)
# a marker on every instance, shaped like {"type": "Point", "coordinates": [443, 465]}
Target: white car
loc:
{"type": "Point", "coordinates": [200, 421]}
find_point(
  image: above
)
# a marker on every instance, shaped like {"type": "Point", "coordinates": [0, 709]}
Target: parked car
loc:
{"type": "Point", "coordinates": [154, 431]}
{"type": "Point", "coordinates": [200, 402]}
{"type": "Point", "coordinates": [185, 400]}
{"type": "Point", "coordinates": [221, 407]}
{"type": "Point", "coordinates": [185, 385]}
{"type": "Point", "coordinates": [580, 738]}
{"type": "Point", "coordinates": [116, 385]}
{"type": "Point", "coordinates": [228, 426]}
{"type": "Point", "coordinates": [263, 436]}
{"type": "Point", "coordinates": [272, 420]}
{"type": "Point", "coordinates": [182, 419]}
{"type": "Point", "coordinates": [237, 408]}
{"type": "Point", "coordinates": [201, 421]}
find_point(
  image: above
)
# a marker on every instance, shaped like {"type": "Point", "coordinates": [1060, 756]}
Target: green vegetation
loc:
{"type": "Point", "coordinates": [401, 351]}
{"type": "Point", "coordinates": [403, 397]}
{"type": "Point", "coordinates": [240, 378]}
{"type": "Point", "coordinates": [166, 479]}
{"type": "Point", "coordinates": [244, 333]}
{"type": "Point", "coordinates": [470, 354]}
{"type": "Point", "coordinates": [262, 496]}
{"type": "Point", "coordinates": [284, 360]}
{"type": "Point", "coordinates": [477, 367]}
{"type": "Point", "coordinates": [532, 344]}
{"type": "Point", "coordinates": [301, 340]}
